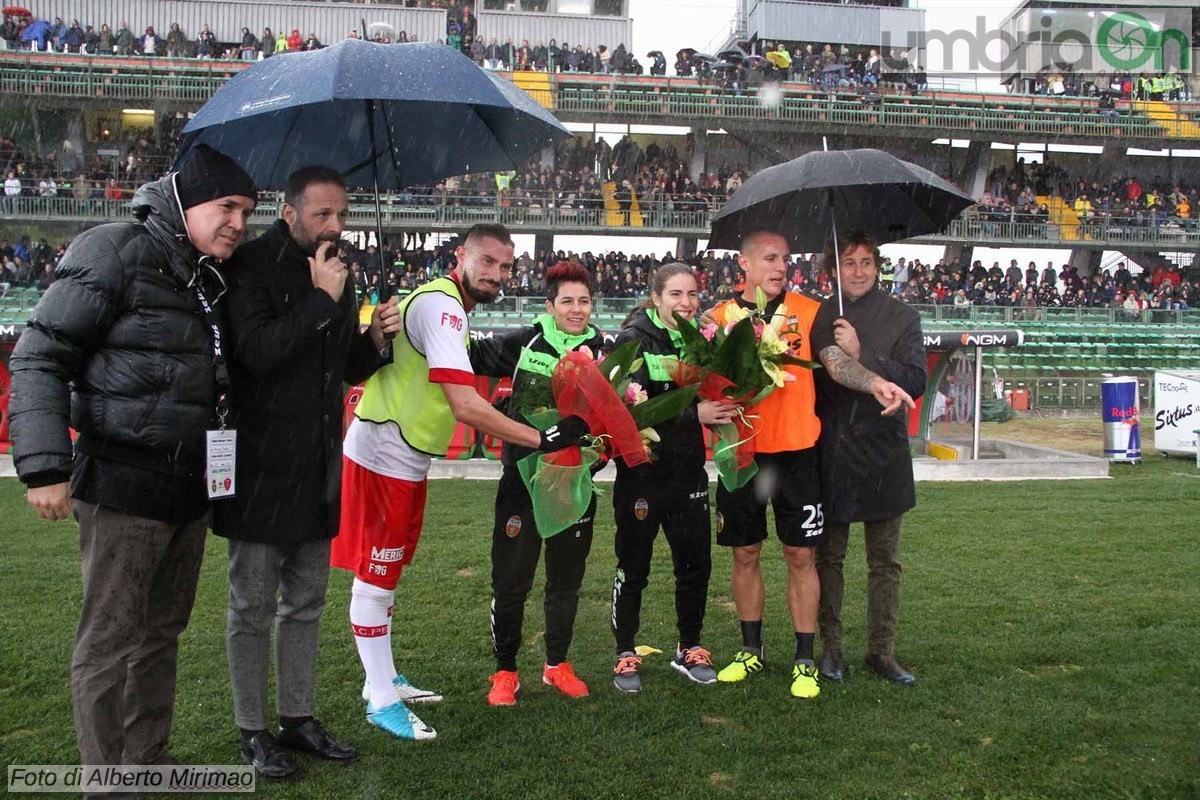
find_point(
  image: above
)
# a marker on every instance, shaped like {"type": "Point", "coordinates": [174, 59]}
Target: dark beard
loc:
{"type": "Point", "coordinates": [310, 246]}
{"type": "Point", "coordinates": [477, 294]}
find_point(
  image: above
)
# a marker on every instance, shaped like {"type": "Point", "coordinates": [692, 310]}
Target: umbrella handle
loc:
{"type": "Point", "coordinates": [386, 290]}
{"type": "Point", "coordinates": [837, 255]}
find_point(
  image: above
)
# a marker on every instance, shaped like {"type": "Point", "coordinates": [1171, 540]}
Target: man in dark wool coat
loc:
{"type": "Point", "coordinates": [866, 468]}
{"type": "Point", "coordinates": [292, 320]}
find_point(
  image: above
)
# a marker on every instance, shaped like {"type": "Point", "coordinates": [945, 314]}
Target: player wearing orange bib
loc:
{"type": "Point", "coordinates": [785, 435]}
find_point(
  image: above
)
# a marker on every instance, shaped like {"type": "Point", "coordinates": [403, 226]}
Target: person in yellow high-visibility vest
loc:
{"type": "Point", "coordinates": [406, 417]}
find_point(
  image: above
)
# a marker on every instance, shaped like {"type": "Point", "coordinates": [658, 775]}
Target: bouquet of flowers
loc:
{"type": "Point", "coordinates": [619, 418]}
{"type": "Point", "coordinates": [738, 364]}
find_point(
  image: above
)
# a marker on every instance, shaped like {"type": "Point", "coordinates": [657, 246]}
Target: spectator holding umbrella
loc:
{"type": "Point", "coordinates": [866, 468]}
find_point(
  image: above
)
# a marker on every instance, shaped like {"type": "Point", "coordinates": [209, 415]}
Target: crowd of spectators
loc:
{"type": "Point", "coordinates": [766, 60]}
{"type": "Point", "coordinates": [617, 275]}
{"type": "Point", "coordinates": [68, 172]}
{"type": "Point", "coordinates": [827, 66]}
{"type": "Point", "coordinates": [1122, 201]}
{"type": "Point", "coordinates": [410, 262]}
{"type": "Point", "coordinates": [657, 175]}
{"type": "Point", "coordinates": [1062, 81]}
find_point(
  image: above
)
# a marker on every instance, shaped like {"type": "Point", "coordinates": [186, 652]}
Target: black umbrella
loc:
{"type": "Point", "coordinates": [720, 65]}
{"type": "Point", "coordinates": [697, 57]}
{"type": "Point", "coordinates": [654, 54]}
{"type": "Point", "coordinates": [685, 52]}
{"type": "Point", "coordinates": [734, 55]}
{"type": "Point", "coordinates": [807, 199]}
{"type": "Point", "coordinates": [836, 68]}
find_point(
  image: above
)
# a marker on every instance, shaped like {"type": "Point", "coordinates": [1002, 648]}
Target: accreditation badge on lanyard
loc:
{"type": "Point", "coordinates": [220, 460]}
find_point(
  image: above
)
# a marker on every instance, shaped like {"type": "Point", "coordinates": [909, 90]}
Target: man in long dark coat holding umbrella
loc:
{"type": "Point", "coordinates": [866, 469]}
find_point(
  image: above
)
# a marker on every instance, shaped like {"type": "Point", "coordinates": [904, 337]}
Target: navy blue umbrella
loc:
{"type": "Point", "coordinates": [385, 116]}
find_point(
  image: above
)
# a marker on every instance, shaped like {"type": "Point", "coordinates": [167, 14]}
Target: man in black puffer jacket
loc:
{"type": "Point", "coordinates": [123, 340]}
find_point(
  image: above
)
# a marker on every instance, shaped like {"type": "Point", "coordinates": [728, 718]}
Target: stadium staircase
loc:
{"type": "Point", "coordinates": [537, 85]}
{"type": "Point", "coordinates": [1170, 118]}
{"type": "Point", "coordinates": [1062, 215]}
{"type": "Point", "coordinates": [613, 216]}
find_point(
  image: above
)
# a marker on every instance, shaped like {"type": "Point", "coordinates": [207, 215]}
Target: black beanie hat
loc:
{"type": "Point", "coordinates": [207, 175]}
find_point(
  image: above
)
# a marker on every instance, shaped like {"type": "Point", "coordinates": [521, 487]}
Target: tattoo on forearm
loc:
{"type": "Point", "coordinates": [846, 371]}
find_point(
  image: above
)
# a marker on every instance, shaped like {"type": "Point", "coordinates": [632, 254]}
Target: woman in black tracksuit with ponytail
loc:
{"type": "Point", "coordinates": [671, 492]}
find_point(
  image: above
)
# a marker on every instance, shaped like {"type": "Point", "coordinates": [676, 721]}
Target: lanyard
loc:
{"type": "Point", "coordinates": [220, 365]}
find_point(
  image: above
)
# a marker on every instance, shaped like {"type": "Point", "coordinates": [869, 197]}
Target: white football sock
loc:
{"type": "Point", "coordinates": [371, 621]}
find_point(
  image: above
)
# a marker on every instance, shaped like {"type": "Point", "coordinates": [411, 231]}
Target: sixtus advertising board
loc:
{"type": "Point", "coordinates": [1176, 411]}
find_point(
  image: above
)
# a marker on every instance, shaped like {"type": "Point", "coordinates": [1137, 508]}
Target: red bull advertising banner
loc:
{"type": "Point", "coordinates": [1122, 433]}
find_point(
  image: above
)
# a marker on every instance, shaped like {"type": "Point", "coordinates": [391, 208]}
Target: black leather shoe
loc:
{"type": "Point", "coordinates": [833, 666]}
{"type": "Point", "coordinates": [269, 760]}
{"type": "Point", "coordinates": [888, 668]}
{"type": "Point", "coordinates": [311, 737]}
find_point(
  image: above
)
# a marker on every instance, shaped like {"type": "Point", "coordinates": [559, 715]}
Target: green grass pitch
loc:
{"type": "Point", "coordinates": [1053, 627]}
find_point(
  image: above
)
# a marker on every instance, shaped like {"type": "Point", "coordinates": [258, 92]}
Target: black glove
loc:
{"type": "Point", "coordinates": [565, 433]}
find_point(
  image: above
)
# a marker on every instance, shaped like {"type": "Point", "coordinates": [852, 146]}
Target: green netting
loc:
{"type": "Point", "coordinates": [725, 458]}
{"type": "Point", "coordinates": [560, 486]}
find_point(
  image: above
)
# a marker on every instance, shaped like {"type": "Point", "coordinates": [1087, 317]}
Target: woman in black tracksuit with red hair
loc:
{"type": "Point", "coordinates": [670, 493]}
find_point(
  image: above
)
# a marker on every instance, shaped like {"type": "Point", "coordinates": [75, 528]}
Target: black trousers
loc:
{"type": "Point", "coordinates": [516, 547]}
{"type": "Point", "coordinates": [681, 510]}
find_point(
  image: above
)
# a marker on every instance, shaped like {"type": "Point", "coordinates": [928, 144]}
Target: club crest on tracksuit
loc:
{"type": "Point", "coordinates": [641, 509]}
{"type": "Point", "coordinates": [513, 526]}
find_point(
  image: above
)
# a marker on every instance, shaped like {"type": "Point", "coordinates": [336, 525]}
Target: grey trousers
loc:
{"type": "Point", "coordinates": [139, 584]}
{"type": "Point", "coordinates": [883, 584]}
{"type": "Point", "coordinates": [284, 584]}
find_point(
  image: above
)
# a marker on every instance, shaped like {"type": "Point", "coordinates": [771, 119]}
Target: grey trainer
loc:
{"type": "Point", "coordinates": [696, 664]}
{"type": "Point", "coordinates": [625, 673]}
